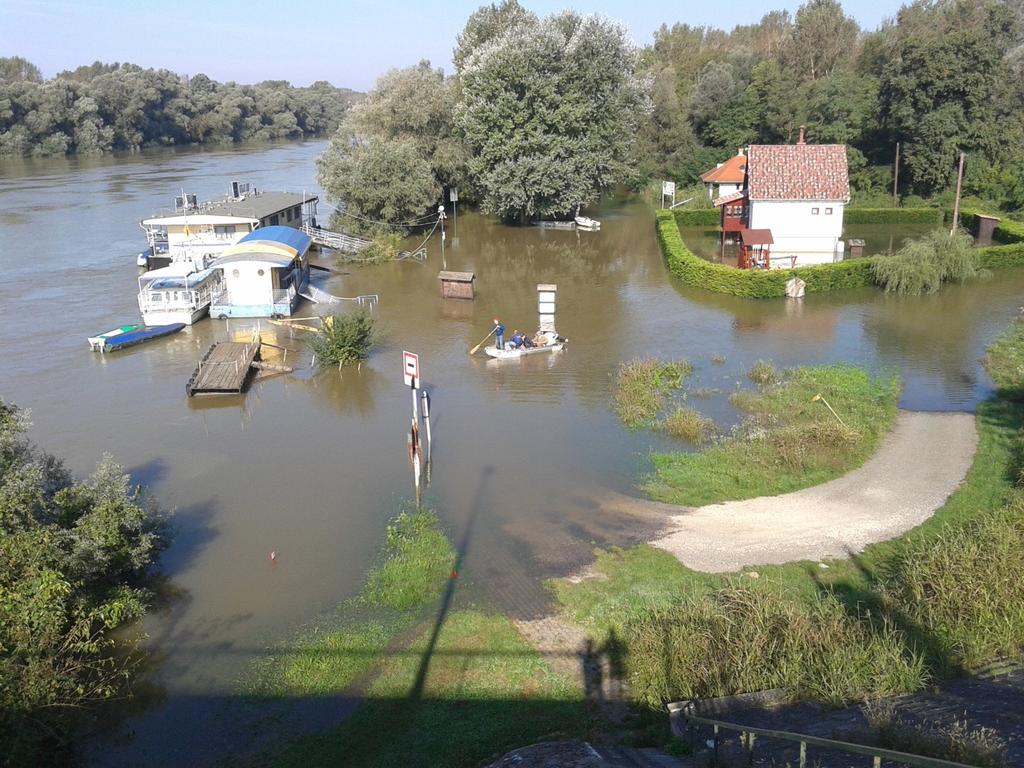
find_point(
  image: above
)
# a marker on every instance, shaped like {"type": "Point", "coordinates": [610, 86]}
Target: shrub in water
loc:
{"type": "Point", "coordinates": [343, 339]}
{"type": "Point", "coordinates": [642, 387]}
{"type": "Point", "coordinates": [923, 265]}
{"type": "Point", "coordinates": [763, 372]}
{"type": "Point", "coordinates": [688, 424]}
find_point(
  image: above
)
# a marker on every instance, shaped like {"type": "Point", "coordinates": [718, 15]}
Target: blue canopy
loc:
{"type": "Point", "coordinates": [289, 236]}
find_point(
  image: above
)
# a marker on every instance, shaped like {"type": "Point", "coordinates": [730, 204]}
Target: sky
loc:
{"type": "Point", "coordinates": [349, 42]}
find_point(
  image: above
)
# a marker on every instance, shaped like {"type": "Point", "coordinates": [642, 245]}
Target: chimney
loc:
{"type": "Point", "coordinates": [801, 139]}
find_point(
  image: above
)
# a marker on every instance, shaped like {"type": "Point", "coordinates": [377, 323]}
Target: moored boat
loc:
{"type": "Point", "coordinates": [588, 224]}
{"type": "Point", "coordinates": [131, 338]}
{"type": "Point", "coordinates": [177, 293]}
{"type": "Point", "coordinates": [97, 341]}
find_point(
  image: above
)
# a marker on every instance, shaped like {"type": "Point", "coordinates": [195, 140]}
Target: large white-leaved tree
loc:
{"type": "Point", "coordinates": [548, 112]}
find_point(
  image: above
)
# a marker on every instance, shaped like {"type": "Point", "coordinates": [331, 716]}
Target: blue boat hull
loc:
{"type": "Point", "coordinates": [143, 334]}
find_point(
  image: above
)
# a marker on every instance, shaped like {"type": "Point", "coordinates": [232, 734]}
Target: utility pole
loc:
{"type": "Point", "coordinates": [896, 178]}
{"type": "Point", "coordinates": [440, 219]}
{"type": "Point", "coordinates": [956, 205]}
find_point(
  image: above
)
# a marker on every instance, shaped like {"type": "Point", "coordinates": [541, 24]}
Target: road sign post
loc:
{"type": "Point", "coordinates": [411, 369]}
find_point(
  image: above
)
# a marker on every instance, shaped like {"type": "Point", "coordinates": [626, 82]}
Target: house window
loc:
{"type": "Point", "coordinates": [275, 220]}
{"type": "Point", "coordinates": [224, 231]}
{"type": "Point", "coordinates": [828, 211]}
{"type": "Point", "coordinates": [814, 211]}
{"type": "Point", "coordinates": [260, 272]}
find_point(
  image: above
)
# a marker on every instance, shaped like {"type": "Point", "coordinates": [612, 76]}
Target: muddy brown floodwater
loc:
{"type": "Point", "coordinates": [313, 465]}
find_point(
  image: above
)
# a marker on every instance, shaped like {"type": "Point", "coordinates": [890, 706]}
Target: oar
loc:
{"type": "Point", "coordinates": [485, 338]}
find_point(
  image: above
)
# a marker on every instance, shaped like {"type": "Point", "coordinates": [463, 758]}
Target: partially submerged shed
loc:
{"type": "Point", "coordinates": [457, 285]}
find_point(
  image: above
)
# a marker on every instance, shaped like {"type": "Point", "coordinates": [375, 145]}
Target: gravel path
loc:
{"type": "Point", "coordinates": [920, 463]}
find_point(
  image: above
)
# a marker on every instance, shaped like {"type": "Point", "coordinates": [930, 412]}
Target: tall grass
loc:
{"type": "Point", "coordinates": [1004, 361]}
{"type": "Point", "coordinates": [923, 265]}
{"type": "Point", "coordinates": [688, 424]}
{"type": "Point", "coordinates": [964, 589]}
{"type": "Point", "coordinates": [737, 639]}
{"type": "Point", "coordinates": [642, 387]}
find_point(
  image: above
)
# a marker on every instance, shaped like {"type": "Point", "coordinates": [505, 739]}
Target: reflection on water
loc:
{"type": "Point", "coordinates": [312, 465]}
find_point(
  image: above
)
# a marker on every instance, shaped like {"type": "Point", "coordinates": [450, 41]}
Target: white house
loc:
{"type": "Point", "coordinates": [726, 178]}
{"type": "Point", "coordinates": [798, 191]}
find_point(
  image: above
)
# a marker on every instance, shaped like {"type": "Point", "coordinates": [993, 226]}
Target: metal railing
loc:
{"type": "Point", "coordinates": [748, 735]}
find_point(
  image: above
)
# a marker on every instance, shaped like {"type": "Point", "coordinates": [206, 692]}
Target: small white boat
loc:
{"type": "Point", "coordinates": [555, 343]}
{"type": "Point", "coordinates": [588, 224]}
{"type": "Point", "coordinates": [515, 354]}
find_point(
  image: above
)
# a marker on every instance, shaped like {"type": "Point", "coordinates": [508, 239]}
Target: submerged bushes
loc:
{"type": "Point", "coordinates": [343, 339]}
{"type": "Point", "coordinates": [923, 265]}
{"type": "Point", "coordinates": [642, 387]}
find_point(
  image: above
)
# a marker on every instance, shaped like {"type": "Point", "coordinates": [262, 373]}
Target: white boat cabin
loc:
{"type": "Point", "coordinates": [200, 232]}
{"type": "Point", "coordinates": [177, 293]}
{"type": "Point", "coordinates": [262, 275]}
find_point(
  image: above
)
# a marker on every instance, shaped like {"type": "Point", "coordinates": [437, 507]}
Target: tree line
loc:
{"type": "Point", "coordinates": [106, 107]}
{"type": "Point", "coordinates": [542, 115]}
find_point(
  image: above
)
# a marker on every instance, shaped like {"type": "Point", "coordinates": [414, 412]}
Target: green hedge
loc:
{"type": "Point", "coordinates": [698, 217]}
{"type": "Point", "coordinates": [1001, 256]}
{"type": "Point", "coordinates": [754, 283]}
{"type": "Point", "coordinates": [893, 216]}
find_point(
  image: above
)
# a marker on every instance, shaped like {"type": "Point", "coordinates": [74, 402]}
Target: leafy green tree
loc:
{"type": "Point", "coordinates": [488, 23]}
{"type": "Point", "coordinates": [548, 113]}
{"type": "Point", "coordinates": [16, 69]}
{"type": "Point", "coordinates": [75, 556]}
{"type": "Point", "coordinates": [823, 38]}
{"type": "Point", "coordinates": [379, 180]}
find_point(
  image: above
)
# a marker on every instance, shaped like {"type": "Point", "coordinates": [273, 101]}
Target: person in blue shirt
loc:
{"type": "Point", "coordinates": [499, 334]}
{"type": "Point", "coordinates": [516, 341]}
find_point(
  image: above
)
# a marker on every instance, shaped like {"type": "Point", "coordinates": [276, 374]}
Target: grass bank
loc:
{"type": "Point", "coordinates": [466, 695]}
{"type": "Point", "coordinates": [789, 440]}
{"type": "Point", "coordinates": [414, 567]}
{"type": "Point", "coordinates": [939, 600]}
{"type": "Point", "coordinates": [441, 686]}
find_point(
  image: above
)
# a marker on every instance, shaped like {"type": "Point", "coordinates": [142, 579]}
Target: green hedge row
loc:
{"type": "Point", "coordinates": [1001, 256]}
{"type": "Point", "coordinates": [754, 283]}
{"type": "Point", "coordinates": [698, 217]}
{"type": "Point", "coordinates": [893, 216]}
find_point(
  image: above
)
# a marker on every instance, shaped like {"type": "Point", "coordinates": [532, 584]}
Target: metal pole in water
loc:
{"type": "Point", "coordinates": [415, 407]}
{"type": "Point", "coordinates": [426, 419]}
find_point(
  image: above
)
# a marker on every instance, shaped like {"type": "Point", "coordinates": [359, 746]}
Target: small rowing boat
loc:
{"type": "Point", "coordinates": [138, 336]}
{"type": "Point", "coordinates": [514, 354]}
{"type": "Point", "coordinates": [97, 341]}
{"type": "Point", "coordinates": [587, 223]}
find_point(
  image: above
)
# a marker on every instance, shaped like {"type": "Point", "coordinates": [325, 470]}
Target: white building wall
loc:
{"type": "Point", "coordinates": [798, 231]}
{"type": "Point", "coordinates": [246, 285]}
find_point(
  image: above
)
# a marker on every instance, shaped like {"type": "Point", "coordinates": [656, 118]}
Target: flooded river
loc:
{"type": "Point", "coordinates": [313, 465]}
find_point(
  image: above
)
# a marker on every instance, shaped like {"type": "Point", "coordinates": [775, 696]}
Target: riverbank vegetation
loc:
{"type": "Point", "coordinates": [76, 561]}
{"type": "Point", "coordinates": [643, 386]}
{"type": "Point", "coordinates": [343, 339]}
{"type": "Point", "coordinates": [788, 440]}
{"type": "Point", "coordinates": [938, 601]}
{"type": "Point", "coordinates": [109, 107]}
{"type": "Point", "coordinates": [448, 684]}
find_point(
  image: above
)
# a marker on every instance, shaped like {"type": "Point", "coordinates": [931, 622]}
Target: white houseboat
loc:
{"type": "Point", "coordinates": [177, 293]}
{"type": "Point", "coordinates": [263, 274]}
{"type": "Point", "coordinates": [201, 231]}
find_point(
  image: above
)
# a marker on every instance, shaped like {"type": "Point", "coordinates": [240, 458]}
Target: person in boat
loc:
{"type": "Point", "coordinates": [499, 334]}
{"type": "Point", "coordinates": [516, 340]}
{"type": "Point", "coordinates": [528, 342]}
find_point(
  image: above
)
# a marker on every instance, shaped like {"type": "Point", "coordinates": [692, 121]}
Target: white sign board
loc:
{"type": "Point", "coordinates": [453, 195]}
{"type": "Point", "coordinates": [668, 188]}
{"type": "Point", "coordinates": [411, 369]}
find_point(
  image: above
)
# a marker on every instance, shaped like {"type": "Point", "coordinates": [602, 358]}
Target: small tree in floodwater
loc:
{"type": "Point", "coordinates": [923, 265]}
{"type": "Point", "coordinates": [343, 339]}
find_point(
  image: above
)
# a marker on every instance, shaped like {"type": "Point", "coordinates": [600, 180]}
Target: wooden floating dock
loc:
{"type": "Point", "coordinates": [224, 368]}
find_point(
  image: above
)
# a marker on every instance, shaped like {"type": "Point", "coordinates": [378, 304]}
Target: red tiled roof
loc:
{"type": "Point", "coordinates": [798, 172]}
{"type": "Point", "coordinates": [732, 171]}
